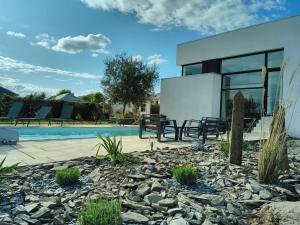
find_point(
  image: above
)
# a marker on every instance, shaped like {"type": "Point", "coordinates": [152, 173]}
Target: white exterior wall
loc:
{"type": "Point", "coordinates": [190, 97]}
{"type": "Point", "coordinates": [274, 35]}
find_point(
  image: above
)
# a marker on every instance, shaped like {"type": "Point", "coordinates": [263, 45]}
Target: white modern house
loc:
{"type": "Point", "coordinates": [216, 67]}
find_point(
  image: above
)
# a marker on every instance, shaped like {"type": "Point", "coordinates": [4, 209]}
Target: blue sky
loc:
{"type": "Point", "coordinates": [50, 45]}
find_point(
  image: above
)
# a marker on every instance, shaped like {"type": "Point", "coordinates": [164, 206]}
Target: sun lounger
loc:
{"type": "Point", "coordinates": [41, 115]}
{"type": "Point", "coordinates": [13, 112]}
{"type": "Point", "coordinates": [8, 136]}
{"type": "Point", "coordinates": [65, 115]}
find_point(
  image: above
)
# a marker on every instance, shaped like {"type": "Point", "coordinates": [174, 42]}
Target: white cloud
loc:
{"type": "Point", "coordinates": [155, 59]}
{"type": "Point", "coordinates": [205, 16]}
{"type": "Point", "coordinates": [95, 43]}
{"type": "Point", "coordinates": [44, 40]}
{"type": "Point", "coordinates": [137, 58]}
{"type": "Point", "coordinates": [9, 64]}
{"type": "Point", "coordinates": [16, 34]}
{"type": "Point", "coordinates": [24, 88]}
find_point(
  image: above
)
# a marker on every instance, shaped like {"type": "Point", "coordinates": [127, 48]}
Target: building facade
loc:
{"type": "Point", "coordinates": [262, 61]}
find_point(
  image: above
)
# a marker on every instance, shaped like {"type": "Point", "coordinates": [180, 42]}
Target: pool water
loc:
{"type": "Point", "coordinates": [53, 133]}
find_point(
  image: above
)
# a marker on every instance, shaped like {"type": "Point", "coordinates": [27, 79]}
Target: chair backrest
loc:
{"type": "Point", "coordinates": [15, 110]}
{"type": "Point", "coordinates": [66, 112]}
{"type": "Point", "coordinates": [43, 112]}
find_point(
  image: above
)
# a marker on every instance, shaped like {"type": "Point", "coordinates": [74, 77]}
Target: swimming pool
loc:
{"type": "Point", "coordinates": [60, 133]}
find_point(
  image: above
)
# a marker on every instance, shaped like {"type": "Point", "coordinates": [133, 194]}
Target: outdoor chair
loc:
{"type": "Point", "coordinates": [191, 129]}
{"type": "Point", "coordinates": [8, 136]}
{"type": "Point", "coordinates": [41, 115]}
{"type": "Point", "coordinates": [159, 126]}
{"type": "Point", "coordinates": [13, 112]}
{"type": "Point", "coordinates": [65, 115]}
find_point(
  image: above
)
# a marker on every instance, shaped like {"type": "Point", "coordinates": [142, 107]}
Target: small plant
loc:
{"type": "Point", "coordinates": [4, 171]}
{"type": "Point", "coordinates": [112, 147]}
{"type": "Point", "coordinates": [101, 212]}
{"type": "Point", "coordinates": [68, 176]}
{"type": "Point", "coordinates": [186, 174]}
{"type": "Point", "coordinates": [151, 142]}
{"type": "Point", "coordinates": [224, 147]}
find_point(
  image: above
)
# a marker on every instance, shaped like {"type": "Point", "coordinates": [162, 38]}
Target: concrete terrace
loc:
{"type": "Point", "coordinates": [36, 152]}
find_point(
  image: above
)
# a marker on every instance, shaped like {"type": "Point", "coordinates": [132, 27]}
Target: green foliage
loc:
{"type": "Point", "coordinates": [224, 147]}
{"type": "Point", "coordinates": [4, 171]}
{"type": "Point", "coordinates": [155, 108]}
{"type": "Point", "coordinates": [125, 115]}
{"type": "Point", "coordinates": [186, 174]}
{"type": "Point", "coordinates": [128, 81]}
{"type": "Point", "coordinates": [96, 97]}
{"type": "Point", "coordinates": [64, 91]}
{"type": "Point", "coordinates": [114, 151]}
{"type": "Point", "coordinates": [67, 176]}
{"type": "Point", "coordinates": [100, 212]}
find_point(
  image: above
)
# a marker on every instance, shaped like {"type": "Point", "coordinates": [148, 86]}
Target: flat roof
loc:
{"type": "Point", "coordinates": [241, 28]}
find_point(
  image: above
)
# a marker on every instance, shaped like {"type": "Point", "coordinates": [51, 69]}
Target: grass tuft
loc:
{"type": "Point", "coordinates": [100, 212]}
{"type": "Point", "coordinates": [68, 176]}
{"type": "Point", "coordinates": [186, 174]}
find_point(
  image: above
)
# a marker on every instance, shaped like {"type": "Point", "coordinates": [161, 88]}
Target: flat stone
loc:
{"type": "Point", "coordinates": [156, 186]}
{"type": "Point", "coordinates": [152, 198]}
{"type": "Point", "coordinates": [31, 207]}
{"type": "Point", "coordinates": [247, 195]}
{"type": "Point", "coordinates": [178, 221]}
{"type": "Point", "coordinates": [132, 217]}
{"type": "Point", "coordinates": [20, 209]}
{"type": "Point", "coordinates": [265, 194]}
{"type": "Point", "coordinates": [168, 202]}
{"type": "Point", "coordinates": [29, 220]}
{"type": "Point", "coordinates": [143, 190]}
{"type": "Point", "coordinates": [137, 176]}
{"type": "Point", "coordinates": [297, 188]}
{"type": "Point", "coordinates": [49, 204]}
{"type": "Point", "coordinates": [149, 161]}
{"type": "Point", "coordinates": [41, 213]}
{"type": "Point", "coordinates": [254, 187]}
{"type": "Point", "coordinates": [136, 206]}
{"type": "Point", "coordinates": [217, 201]}
{"type": "Point", "coordinates": [174, 211]}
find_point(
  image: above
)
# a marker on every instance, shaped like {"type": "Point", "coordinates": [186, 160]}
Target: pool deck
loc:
{"type": "Point", "coordinates": [36, 152]}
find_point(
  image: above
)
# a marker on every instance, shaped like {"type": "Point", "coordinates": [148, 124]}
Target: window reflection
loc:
{"type": "Point", "coordinates": [275, 59]}
{"type": "Point", "coordinates": [192, 69]}
{"type": "Point", "coordinates": [244, 80]}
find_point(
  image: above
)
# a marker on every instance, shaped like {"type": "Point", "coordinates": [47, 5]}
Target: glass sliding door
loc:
{"type": "Point", "coordinates": [274, 91]}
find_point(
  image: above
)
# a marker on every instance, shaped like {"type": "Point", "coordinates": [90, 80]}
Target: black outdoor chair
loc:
{"type": "Point", "coordinates": [159, 126]}
{"type": "Point", "coordinates": [13, 112]}
{"type": "Point", "coordinates": [65, 115]}
{"type": "Point", "coordinates": [41, 115]}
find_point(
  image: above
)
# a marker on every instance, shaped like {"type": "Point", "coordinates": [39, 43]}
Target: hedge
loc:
{"type": "Point", "coordinates": [82, 111]}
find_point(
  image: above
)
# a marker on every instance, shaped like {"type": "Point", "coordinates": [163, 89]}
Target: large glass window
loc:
{"type": "Point", "coordinates": [192, 69]}
{"type": "Point", "coordinates": [243, 80]}
{"type": "Point", "coordinates": [275, 59]}
{"type": "Point", "coordinates": [243, 63]}
{"type": "Point", "coordinates": [253, 102]}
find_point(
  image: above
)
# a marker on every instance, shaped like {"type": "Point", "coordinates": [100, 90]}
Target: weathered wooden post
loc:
{"type": "Point", "coordinates": [237, 129]}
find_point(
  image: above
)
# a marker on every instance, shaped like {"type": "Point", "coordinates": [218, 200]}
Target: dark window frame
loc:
{"type": "Point", "coordinates": [265, 86]}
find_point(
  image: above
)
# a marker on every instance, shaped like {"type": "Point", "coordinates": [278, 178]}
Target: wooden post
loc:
{"type": "Point", "coordinates": [237, 129]}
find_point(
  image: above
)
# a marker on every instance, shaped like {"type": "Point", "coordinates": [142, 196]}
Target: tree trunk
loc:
{"type": "Point", "coordinates": [237, 129]}
{"type": "Point", "coordinates": [124, 108]}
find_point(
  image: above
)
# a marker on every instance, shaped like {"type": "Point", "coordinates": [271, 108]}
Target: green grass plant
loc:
{"type": "Point", "coordinates": [68, 176]}
{"type": "Point", "coordinates": [186, 174]}
{"type": "Point", "coordinates": [101, 212]}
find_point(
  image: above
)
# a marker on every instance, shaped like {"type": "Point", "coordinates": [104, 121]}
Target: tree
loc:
{"type": "Point", "coordinates": [96, 97]}
{"type": "Point", "coordinates": [64, 91]}
{"type": "Point", "coordinates": [128, 81]}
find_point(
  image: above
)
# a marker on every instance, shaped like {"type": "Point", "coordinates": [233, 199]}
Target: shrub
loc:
{"type": "Point", "coordinates": [100, 212]}
{"type": "Point", "coordinates": [67, 176]}
{"type": "Point", "coordinates": [224, 147]}
{"type": "Point", "coordinates": [186, 174]}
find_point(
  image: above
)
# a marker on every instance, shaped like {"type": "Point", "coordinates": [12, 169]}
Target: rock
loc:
{"type": "Point", "coordinates": [247, 195]}
{"type": "Point", "coordinates": [41, 213]}
{"type": "Point", "coordinates": [217, 201]}
{"type": "Point", "coordinates": [49, 204]}
{"type": "Point", "coordinates": [297, 188]}
{"type": "Point", "coordinates": [20, 209]}
{"type": "Point", "coordinates": [287, 213]}
{"type": "Point", "coordinates": [143, 190]}
{"type": "Point", "coordinates": [152, 198]}
{"type": "Point", "coordinates": [149, 161]}
{"type": "Point", "coordinates": [207, 222]}
{"type": "Point", "coordinates": [174, 211]}
{"type": "Point", "coordinates": [27, 219]}
{"type": "Point", "coordinates": [254, 203]}
{"type": "Point", "coordinates": [156, 186]}
{"type": "Point", "coordinates": [137, 176]}
{"type": "Point", "coordinates": [168, 202]}
{"type": "Point", "coordinates": [265, 194]}
{"type": "Point", "coordinates": [254, 187]}
{"type": "Point", "coordinates": [31, 207]}
{"type": "Point", "coordinates": [178, 221]}
{"type": "Point", "coordinates": [136, 206]}
{"type": "Point", "coordinates": [58, 220]}
{"type": "Point", "coordinates": [132, 217]}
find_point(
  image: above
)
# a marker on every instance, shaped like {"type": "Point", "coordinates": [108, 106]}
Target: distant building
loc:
{"type": "Point", "coordinates": [7, 92]}
{"type": "Point", "coordinates": [68, 97]}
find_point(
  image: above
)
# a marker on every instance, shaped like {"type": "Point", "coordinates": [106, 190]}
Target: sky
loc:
{"type": "Point", "coordinates": [49, 45]}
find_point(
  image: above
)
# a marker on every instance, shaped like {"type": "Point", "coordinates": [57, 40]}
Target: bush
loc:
{"type": "Point", "coordinates": [67, 176]}
{"type": "Point", "coordinates": [114, 151]}
{"type": "Point", "coordinates": [186, 174]}
{"type": "Point", "coordinates": [224, 147]}
{"type": "Point", "coordinates": [100, 212]}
